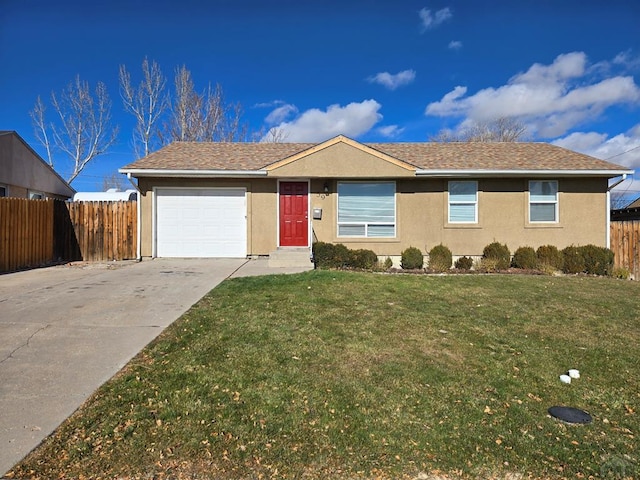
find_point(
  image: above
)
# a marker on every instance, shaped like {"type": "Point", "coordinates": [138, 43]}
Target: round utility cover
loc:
{"type": "Point", "coordinates": [570, 414]}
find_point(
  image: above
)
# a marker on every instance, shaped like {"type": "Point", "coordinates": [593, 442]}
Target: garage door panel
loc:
{"type": "Point", "coordinates": [201, 223]}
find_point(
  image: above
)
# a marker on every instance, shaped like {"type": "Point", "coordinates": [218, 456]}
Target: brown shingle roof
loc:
{"type": "Point", "coordinates": [217, 156]}
{"type": "Point", "coordinates": [426, 156]}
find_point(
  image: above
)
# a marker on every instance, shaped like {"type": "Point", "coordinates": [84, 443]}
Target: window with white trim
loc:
{"type": "Point", "coordinates": [543, 201]}
{"type": "Point", "coordinates": [463, 201]}
{"type": "Point", "coordinates": [367, 209]}
{"type": "Point", "coordinates": [36, 196]}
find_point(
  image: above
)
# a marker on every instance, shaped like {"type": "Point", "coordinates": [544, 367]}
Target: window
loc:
{"type": "Point", "coordinates": [463, 202]}
{"type": "Point", "coordinates": [367, 209]}
{"type": "Point", "coordinates": [36, 196]}
{"type": "Point", "coordinates": [3, 191]}
{"type": "Point", "coordinates": [543, 201]}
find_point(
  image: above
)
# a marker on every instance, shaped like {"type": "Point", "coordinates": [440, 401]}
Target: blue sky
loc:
{"type": "Point", "coordinates": [370, 69]}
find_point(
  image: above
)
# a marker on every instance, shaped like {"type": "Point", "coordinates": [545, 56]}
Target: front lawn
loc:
{"type": "Point", "coordinates": [351, 375]}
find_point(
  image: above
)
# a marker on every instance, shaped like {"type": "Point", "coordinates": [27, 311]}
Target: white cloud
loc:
{"type": "Point", "coordinates": [316, 125]}
{"type": "Point", "coordinates": [455, 45]}
{"type": "Point", "coordinates": [390, 131]}
{"type": "Point", "coordinates": [430, 20]}
{"type": "Point", "coordinates": [280, 114]}
{"type": "Point", "coordinates": [627, 60]}
{"type": "Point", "coordinates": [393, 81]}
{"type": "Point", "coordinates": [623, 149]}
{"type": "Point", "coordinates": [550, 99]}
{"type": "Point", "coordinates": [271, 104]}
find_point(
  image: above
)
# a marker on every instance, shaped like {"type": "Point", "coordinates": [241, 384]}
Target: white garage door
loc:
{"type": "Point", "coordinates": [199, 222]}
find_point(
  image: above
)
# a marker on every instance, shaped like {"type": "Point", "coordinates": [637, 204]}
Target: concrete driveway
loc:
{"type": "Point", "coordinates": [65, 330]}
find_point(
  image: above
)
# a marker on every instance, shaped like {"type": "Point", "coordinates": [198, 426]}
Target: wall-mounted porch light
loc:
{"type": "Point", "coordinates": [326, 187]}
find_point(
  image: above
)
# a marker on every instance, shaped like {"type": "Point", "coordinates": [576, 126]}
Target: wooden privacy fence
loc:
{"type": "Point", "coordinates": [26, 233]}
{"type": "Point", "coordinates": [625, 243]}
{"type": "Point", "coordinates": [41, 232]}
{"type": "Point", "coordinates": [104, 230]}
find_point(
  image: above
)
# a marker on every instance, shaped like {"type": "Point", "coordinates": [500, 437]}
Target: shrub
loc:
{"type": "Point", "coordinates": [464, 263]}
{"type": "Point", "coordinates": [341, 255]}
{"type": "Point", "coordinates": [496, 256]}
{"type": "Point", "coordinates": [412, 259]}
{"type": "Point", "coordinates": [547, 269]}
{"type": "Point", "coordinates": [597, 260]}
{"type": "Point", "coordinates": [388, 263]}
{"type": "Point", "coordinates": [329, 255]}
{"type": "Point", "coordinates": [621, 272]}
{"type": "Point", "coordinates": [572, 261]}
{"type": "Point", "coordinates": [322, 254]}
{"type": "Point", "coordinates": [525, 258]}
{"type": "Point", "coordinates": [440, 258]}
{"type": "Point", "coordinates": [488, 265]}
{"type": "Point", "coordinates": [588, 259]}
{"type": "Point", "coordinates": [549, 257]}
{"type": "Point", "coordinates": [365, 259]}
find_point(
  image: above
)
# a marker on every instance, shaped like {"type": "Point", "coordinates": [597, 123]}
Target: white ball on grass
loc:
{"type": "Point", "coordinates": [565, 378]}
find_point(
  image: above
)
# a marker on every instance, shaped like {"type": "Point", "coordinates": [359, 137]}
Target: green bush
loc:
{"type": "Point", "coordinates": [440, 258]}
{"type": "Point", "coordinates": [412, 259]}
{"type": "Point", "coordinates": [572, 260]}
{"type": "Point", "coordinates": [589, 259]}
{"type": "Point", "coordinates": [388, 263]}
{"type": "Point", "coordinates": [621, 272]}
{"type": "Point", "coordinates": [597, 260]}
{"type": "Point", "coordinates": [549, 257]}
{"type": "Point", "coordinates": [329, 255]}
{"type": "Point", "coordinates": [364, 259]}
{"type": "Point", "coordinates": [464, 263]}
{"type": "Point", "coordinates": [322, 254]}
{"type": "Point", "coordinates": [342, 256]}
{"type": "Point", "coordinates": [496, 256]}
{"type": "Point", "coordinates": [525, 258]}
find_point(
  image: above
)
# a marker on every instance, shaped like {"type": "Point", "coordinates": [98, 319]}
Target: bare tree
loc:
{"type": "Point", "coordinates": [114, 180]}
{"type": "Point", "coordinates": [622, 199]}
{"type": "Point", "coordinates": [146, 103]}
{"type": "Point", "coordinates": [83, 128]}
{"type": "Point", "coordinates": [503, 129]}
{"type": "Point", "coordinates": [37, 116]}
{"type": "Point", "coordinates": [276, 135]}
{"type": "Point", "coordinates": [201, 117]}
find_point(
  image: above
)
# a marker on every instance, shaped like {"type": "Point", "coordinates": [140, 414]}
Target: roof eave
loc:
{"type": "Point", "coordinates": [520, 173]}
{"type": "Point", "coordinates": [166, 173]}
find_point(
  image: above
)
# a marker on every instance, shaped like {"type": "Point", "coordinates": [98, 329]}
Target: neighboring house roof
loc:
{"type": "Point", "coordinates": [634, 204]}
{"type": "Point", "coordinates": [185, 158]}
{"type": "Point", "coordinates": [23, 167]}
{"type": "Point", "coordinates": [111, 195]}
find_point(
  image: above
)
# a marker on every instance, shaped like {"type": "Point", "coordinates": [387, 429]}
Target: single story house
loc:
{"type": "Point", "coordinates": [24, 174]}
{"type": "Point", "coordinates": [249, 199]}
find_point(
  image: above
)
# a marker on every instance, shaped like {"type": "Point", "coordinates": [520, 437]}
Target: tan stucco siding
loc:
{"type": "Point", "coordinates": [340, 161]}
{"type": "Point", "coordinates": [421, 215]}
{"type": "Point", "coordinates": [263, 219]}
{"type": "Point", "coordinates": [145, 198]}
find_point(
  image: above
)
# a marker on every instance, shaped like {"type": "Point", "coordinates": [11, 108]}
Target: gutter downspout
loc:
{"type": "Point", "coordinates": [138, 223]}
{"type": "Point", "coordinates": [609, 188]}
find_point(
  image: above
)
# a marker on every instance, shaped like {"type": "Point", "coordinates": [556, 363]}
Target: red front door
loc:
{"type": "Point", "coordinates": [294, 214]}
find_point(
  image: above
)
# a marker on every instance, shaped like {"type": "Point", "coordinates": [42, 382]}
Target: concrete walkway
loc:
{"type": "Point", "coordinates": [66, 330]}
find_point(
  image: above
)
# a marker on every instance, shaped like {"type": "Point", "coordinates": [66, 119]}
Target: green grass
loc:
{"type": "Point", "coordinates": [351, 375]}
